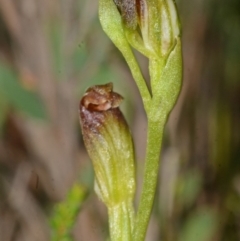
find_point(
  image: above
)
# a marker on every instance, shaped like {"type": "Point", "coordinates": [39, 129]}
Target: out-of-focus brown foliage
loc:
{"type": "Point", "coordinates": [52, 51]}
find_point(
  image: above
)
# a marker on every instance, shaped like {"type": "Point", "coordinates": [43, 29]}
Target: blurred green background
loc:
{"type": "Point", "coordinates": [50, 52]}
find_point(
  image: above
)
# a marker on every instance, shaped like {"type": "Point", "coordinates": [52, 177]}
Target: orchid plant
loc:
{"type": "Point", "coordinates": [152, 28]}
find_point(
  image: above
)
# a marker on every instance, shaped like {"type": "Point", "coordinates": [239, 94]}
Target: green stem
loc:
{"type": "Point", "coordinates": [154, 141]}
{"type": "Point", "coordinates": [155, 70]}
{"type": "Point", "coordinates": [121, 221]}
{"type": "Point", "coordinates": [138, 77]}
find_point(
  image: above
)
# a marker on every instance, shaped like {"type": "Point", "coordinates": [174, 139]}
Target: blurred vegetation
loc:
{"type": "Point", "coordinates": [49, 53]}
{"type": "Point", "coordinates": [15, 96]}
{"type": "Point", "coordinates": [65, 214]}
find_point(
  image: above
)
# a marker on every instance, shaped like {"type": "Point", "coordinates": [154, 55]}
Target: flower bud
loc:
{"type": "Point", "coordinates": [157, 21]}
{"type": "Point", "coordinates": [108, 143]}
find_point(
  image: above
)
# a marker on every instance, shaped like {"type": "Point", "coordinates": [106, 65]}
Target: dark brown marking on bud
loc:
{"type": "Point", "coordinates": [141, 7]}
{"type": "Point", "coordinates": [93, 121]}
{"type": "Point", "coordinates": [128, 10]}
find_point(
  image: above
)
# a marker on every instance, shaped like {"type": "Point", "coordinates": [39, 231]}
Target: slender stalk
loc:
{"type": "Point", "coordinates": [138, 77]}
{"type": "Point", "coordinates": [154, 141]}
{"type": "Point", "coordinates": [121, 221]}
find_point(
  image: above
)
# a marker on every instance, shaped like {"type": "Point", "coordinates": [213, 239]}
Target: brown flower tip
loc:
{"type": "Point", "coordinates": [99, 107]}
{"type": "Point", "coordinates": [101, 98]}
